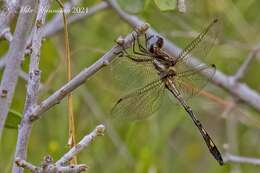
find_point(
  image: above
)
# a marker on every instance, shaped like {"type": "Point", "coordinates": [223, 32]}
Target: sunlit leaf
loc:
{"type": "Point", "coordinates": [166, 5]}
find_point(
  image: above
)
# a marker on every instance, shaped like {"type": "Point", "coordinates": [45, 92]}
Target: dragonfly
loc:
{"type": "Point", "coordinates": [173, 75]}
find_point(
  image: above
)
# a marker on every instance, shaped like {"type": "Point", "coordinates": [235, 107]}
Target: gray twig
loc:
{"type": "Point", "coordinates": [33, 85]}
{"type": "Point", "coordinates": [49, 167]}
{"type": "Point", "coordinates": [240, 159]}
{"type": "Point", "coordinates": [7, 14]}
{"type": "Point", "coordinates": [62, 164]}
{"type": "Point", "coordinates": [13, 60]}
{"type": "Point", "coordinates": [243, 68]}
{"type": "Point", "coordinates": [35, 110]}
{"type": "Point", "coordinates": [98, 131]}
{"type": "Point", "coordinates": [56, 97]}
{"type": "Point", "coordinates": [231, 121]}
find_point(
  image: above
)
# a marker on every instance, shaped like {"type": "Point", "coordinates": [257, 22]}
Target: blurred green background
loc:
{"type": "Point", "coordinates": [167, 141]}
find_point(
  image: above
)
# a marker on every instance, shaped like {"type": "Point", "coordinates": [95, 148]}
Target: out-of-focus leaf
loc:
{"type": "Point", "coordinates": [132, 6]}
{"type": "Point", "coordinates": [166, 5]}
{"type": "Point", "coordinates": [13, 119]}
{"type": "Point", "coordinates": [146, 3]}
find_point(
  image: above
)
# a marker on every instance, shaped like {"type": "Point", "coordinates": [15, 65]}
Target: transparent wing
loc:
{"type": "Point", "coordinates": [190, 83]}
{"type": "Point", "coordinates": [131, 74]}
{"type": "Point", "coordinates": [141, 103]}
{"type": "Point", "coordinates": [200, 46]}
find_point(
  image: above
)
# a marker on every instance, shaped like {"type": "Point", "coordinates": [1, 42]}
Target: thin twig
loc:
{"type": "Point", "coordinates": [231, 130]}
{"type": "Point", "coordinates": [23, 75]}
{"type": "Point", "coordinates": [240, 90]}
{"type": "Point", "coordinates": [35, 111]}
{"type": "Point", "coordinates": [79, 79]}
{"type": "Point", "coordinates": [62, 164]}
{"type": "Point", "coordinates": [33, 85]}
{"type": "Point", "coordinates": [14, 58]}
{"type": "Point", "coordinates": [240, 159]}
{"type": "Point", "coordinates": [7, 14]}
{"type": "Point", "coordinates": [23, 164]}
{"type": "Point", "coordinates": [49, 167]}
{"type": "Point", "coordinates": [243, 68]}
{"type": "Point", "coordinates": [98, 131]}
{"type": "Point", "coordinates": [231, 120]}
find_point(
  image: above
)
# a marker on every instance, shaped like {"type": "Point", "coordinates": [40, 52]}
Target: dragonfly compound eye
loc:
{"type": "Point", "coordinates": [154, 43]}
{"type": "Point", "coordinates": [159, 42]}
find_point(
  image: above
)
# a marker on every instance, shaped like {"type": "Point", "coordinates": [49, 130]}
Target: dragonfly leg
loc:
{"type": "Point", "coordinates": [133, 58]}
{"type": "Point", "coordinates": [119, 53]}
{"type": "Point", "coordinates": [146, 39]}
{"type": "Point", "coordinates": [141, 48]}
{"type": "Point", "coordinates": [143, 53]}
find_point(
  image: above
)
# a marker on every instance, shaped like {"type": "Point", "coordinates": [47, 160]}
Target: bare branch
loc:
{"type": "Point", "coordinates": [242, 70]}
{"type": "Point", "coordinates": [49, 167]}
{"type": "Point", "coordinates": [55, 98]}
{"type": "Point", "coordinates": [35, 111]}
{"type": "Point", "coordinates": [61, 165]}
{"type": "Point", "coordinates": [7, 14]}
{"type": "Point", "coordinates": [240, 90]}
{"type": "Point", "coordinates": [231, 132]}
{"type": "Point", "coordinates": [6, 34]}
{"type": "Point", "coordinates": [239, 159]}
{"type": "Point", "coordinates": [231, 120]}
{"type": "Point", "coordinates": [23, 164]}
{"type": "Point", "coordinates": [23, 75]}
{"type": "Point", "coordinates": [33, 85]}
{"type": "Point", "coordinates": [13, 60]}
{"type": "Point", "coordinates": [98, 131]}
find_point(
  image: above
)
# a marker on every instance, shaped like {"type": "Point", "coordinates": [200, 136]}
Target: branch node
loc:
{"type": "Point", "coordinates": [4, 93]}
{"type": "Point", "coordinates": [120, 40]}
{"type": "Point", "coordinates": [100, 129]}
{"type": "Point", "coordinates": [106, 62]}
{"type": "Point", "coordinates": [142, 28]}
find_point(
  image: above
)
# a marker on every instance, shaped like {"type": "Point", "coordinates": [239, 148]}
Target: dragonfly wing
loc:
{"type": "Point", "coordinates": [141, 103]}
{"type": "Point", "coordinates": [131, 74]}
{"type": "Point", "coordinates": [189, 83]}
{"type": "Point", "coordinates": [201, 45]}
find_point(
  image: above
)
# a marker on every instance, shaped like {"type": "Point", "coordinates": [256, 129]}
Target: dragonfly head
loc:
{"type": "Point", "coordinates": [154, 43]}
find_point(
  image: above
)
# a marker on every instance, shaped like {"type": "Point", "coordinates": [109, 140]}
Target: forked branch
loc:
{"type": "Point", "coordinates": [62, 164]}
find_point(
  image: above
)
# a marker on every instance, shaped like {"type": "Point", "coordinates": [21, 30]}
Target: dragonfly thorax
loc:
{"type": "Point", "coordinates": [172, 72]}
{"type": "Point", "coordinates": [164, 70]}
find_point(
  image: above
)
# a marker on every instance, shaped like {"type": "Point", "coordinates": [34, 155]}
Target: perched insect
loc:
{"type": "Point", "coordinates": [173, 75]}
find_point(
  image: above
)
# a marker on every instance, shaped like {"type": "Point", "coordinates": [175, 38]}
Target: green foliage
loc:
{"type": "Point", "coordinates": [13, 119]}
{"type": "Point", "coordinates": [166, 5]}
